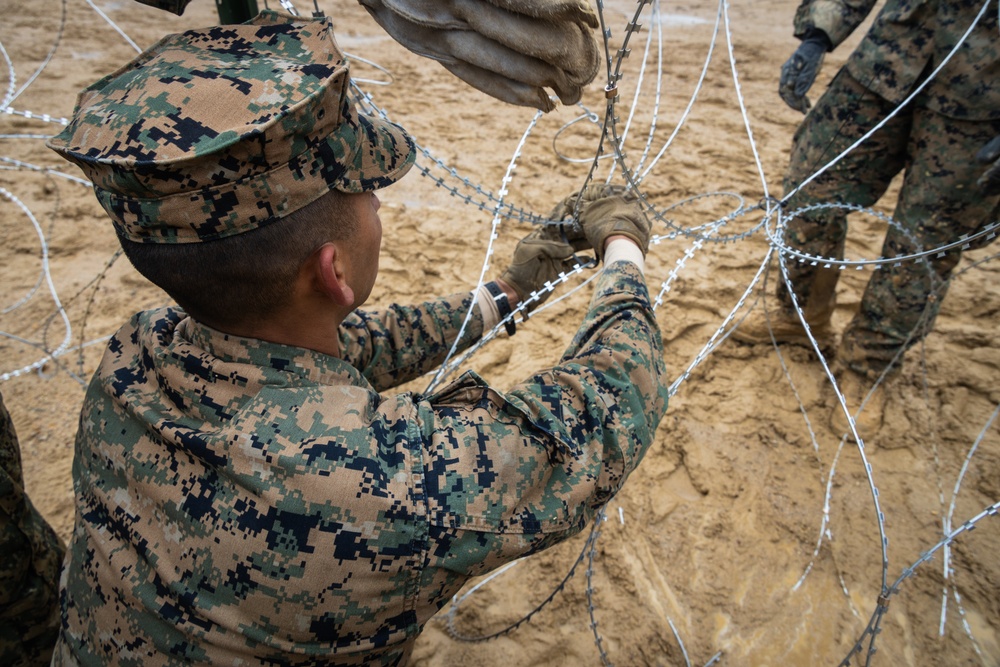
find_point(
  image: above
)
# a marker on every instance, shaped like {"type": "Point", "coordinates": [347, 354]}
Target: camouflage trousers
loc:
{"type": "Point", "coordinates": [30, 557]}
{"type": "Point", "coordinates": [938, 202]}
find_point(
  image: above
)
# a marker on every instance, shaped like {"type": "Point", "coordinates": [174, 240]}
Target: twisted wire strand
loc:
{"type": "Point", "coordinates": [45, 62]}
{"type": "Point", "coordinates": [655, 17]}
{"type": "Point", "coordinates": [458, 600]}
{"type": "Point", "coordinates": [458, 361]}
{"type": "Point", "coordinates": [11, 77]}
{"type": "Point", "coordinates": [390, 79]}
{"type": "Point", "coordinates": [873, 628]}
{"type": "Point", "coordinates": [739, 97]}
{"type": "Point", "coordinates": [946, 556]}
{"type": "Point", "coordinates": [591, 606]}
{"type": "Point", "coordinates": [946, 515]}
{"type": "Point", "coordinates": [38, 281]}
{"type": "Point", "coordinates": [987, 232]}
{"type": "Point", "coordinates": [680, 642]}
{"type": "Point", "coordinates": [883, 538]}
{"type": "Point", "coordinates": [488, 202]}
{"type": "Point", "coordinates": [55, 357]}
{"type": "Point", "coordinates": [824, 529]}
{"type": "Point", "coordinates": [9, 196]}
{"type": "Point", "coordinates": [587, 115]}
{"type": "Point", "coordinates": [35, 116]}
{"type": "Point", "coordinates": [691, 101]}
{"type": "Point", "coordinates": [289, 7]}
{"type": "Point", "coordinates": [107, 19]}
{"type": "Point", "coordinates": [12, 164]}
{"type": "Point", "coordinates": [724, 329]}
{"type": "Point", "coordinates": [880, 517]}
{"type": "Point", "coordinates": [495, 225]}
{"type": "Point", "coordinates": [640, 79]}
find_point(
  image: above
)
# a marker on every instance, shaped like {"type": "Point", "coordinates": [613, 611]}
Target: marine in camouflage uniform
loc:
{"type": "Point", "coordinates": [249, 502]}
{"type": "Point", "coordinates": [30, 557]}
{"type": "Point", "coordinates": [933, 141]}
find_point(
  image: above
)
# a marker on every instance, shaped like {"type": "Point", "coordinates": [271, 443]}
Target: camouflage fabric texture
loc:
{"type": "Point", "coordinates": [938, 202]}
{"type": "Point", "coordinates": [910, 36]}
{"type": "Point", "coordinates": [243, 502]}
{"type": "Point", "coordinates": [30, 557]}
{"type": "Point", "coordinates": [221, 130]}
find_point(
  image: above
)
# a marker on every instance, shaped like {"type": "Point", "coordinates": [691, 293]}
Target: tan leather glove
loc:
{"type": "Point", "coordinates": [510, 49]}
{"type": "Point", "coordinates": [567, 208]}
{"type": "Point", "coordinates": [604, 210]}
{"type": "Point", "coordinates": [538, 258]}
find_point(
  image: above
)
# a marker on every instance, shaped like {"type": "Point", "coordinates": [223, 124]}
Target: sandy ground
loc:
{"type": "Point", "coordinates": [712, 546]}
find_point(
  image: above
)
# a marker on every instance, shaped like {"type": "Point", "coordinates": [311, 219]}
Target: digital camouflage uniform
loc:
{"type": "Point", "coordinates": [243, 502]}
{"type": "Point", "coordinates": [30, 557]}
{"type": "Point", "coordinates": [248, 503]}
{"type": "Point", "coordinates": [933, 141]}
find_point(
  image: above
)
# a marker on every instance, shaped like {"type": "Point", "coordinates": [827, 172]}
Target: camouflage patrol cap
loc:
{"type": "Point", "coordinates": [217, 131]}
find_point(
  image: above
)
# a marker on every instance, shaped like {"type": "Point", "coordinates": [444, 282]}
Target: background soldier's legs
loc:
{"type": "Point", "coordinates": [30, 557]}
{"type": "Point", "coordinates": [844, 113]}
{"type": "Point", "coordinates": [939, 201]}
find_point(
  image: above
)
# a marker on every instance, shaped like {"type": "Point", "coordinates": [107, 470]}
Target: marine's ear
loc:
{"type": "Point", "coordinates": [329, 275]}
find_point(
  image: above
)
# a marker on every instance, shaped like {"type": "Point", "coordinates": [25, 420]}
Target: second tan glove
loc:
{"type": "Point", "coordinates": [508, 49]}
{"type": "Point", "coordinates": [605, 210]}
{"type": "Point", "coordinates": [538, 258]}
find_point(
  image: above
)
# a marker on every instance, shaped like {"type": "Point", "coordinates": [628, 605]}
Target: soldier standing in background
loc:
{"type": "Point", "coordinates": [947, 143]}
{"type": "Point", "coordinates": [246, 494]}
{"type": "Point", "coordinates": [30, 557]}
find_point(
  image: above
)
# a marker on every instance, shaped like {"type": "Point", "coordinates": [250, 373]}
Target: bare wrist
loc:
{"type": "Point", "coordinates": [511, 293]}
{"type": "Point", "coordinates": [615, 237]}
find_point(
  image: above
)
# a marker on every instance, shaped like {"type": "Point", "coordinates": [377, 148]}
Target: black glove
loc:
{"type": "Point", "coordinates": [989, 182]}
{"type": "Point", "coordinates": [172, 6]}
{"type": "Point", "coordinates": [799, 72]}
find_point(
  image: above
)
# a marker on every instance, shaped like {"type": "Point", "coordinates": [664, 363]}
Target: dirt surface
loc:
{"type": "Point", "coordinates": [716, 539]}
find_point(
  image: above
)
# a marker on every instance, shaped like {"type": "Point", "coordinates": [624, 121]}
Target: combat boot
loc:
{"type": "Point", "coordinates": [857, 389]}
{"type": "Point", "coordinates": [786, 327]}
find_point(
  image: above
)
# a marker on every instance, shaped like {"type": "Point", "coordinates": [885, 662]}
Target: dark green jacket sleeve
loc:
{"type": "Point", "coordinates": [837, 18]}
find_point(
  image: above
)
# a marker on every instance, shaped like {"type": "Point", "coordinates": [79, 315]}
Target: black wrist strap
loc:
{"type": "Point", "coordinates": [503, 306]}
{"type": "Point", "coordinates": [814, 33]}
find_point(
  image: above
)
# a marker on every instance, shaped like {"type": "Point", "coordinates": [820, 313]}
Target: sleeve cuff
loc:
{"type": "Point", "coordinates": [488, 308]}
{"type": "Point", "coordinates": [623, 250]}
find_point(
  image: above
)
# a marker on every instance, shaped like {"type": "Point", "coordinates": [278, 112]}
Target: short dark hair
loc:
{"type": "Point", "coordinates": [247, 277]}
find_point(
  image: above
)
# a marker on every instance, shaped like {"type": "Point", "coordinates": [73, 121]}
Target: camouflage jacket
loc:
{"type": "Point", "coordinates": [908, 40]}
{"type": "Point", "coordinates": [243, 502]}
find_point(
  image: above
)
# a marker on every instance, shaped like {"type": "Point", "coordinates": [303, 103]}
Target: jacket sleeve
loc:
{"type": "Point", "coordinates": [400, 343]}
{"type": "Point", "coordinates": [509, 474]}
{"type": "Point", "coordinates": [837, 18]}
